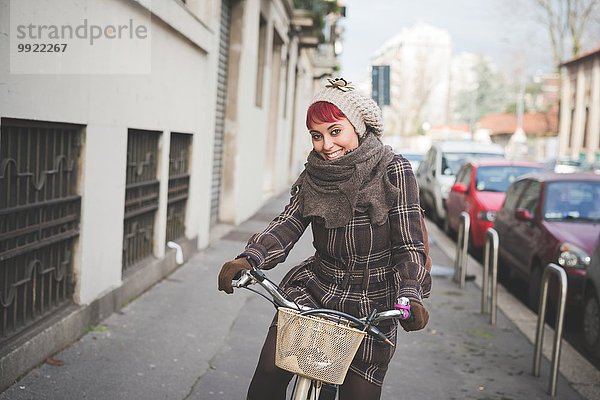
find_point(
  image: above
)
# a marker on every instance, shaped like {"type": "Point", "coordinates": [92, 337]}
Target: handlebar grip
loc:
{"type": "Point", "coordinates": [244, 280]}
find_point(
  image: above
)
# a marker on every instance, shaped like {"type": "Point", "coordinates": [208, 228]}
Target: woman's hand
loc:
{"type": "Point", "coordinates": [229, 271]}
{"type": "Point", "coordinates": [419, 317]}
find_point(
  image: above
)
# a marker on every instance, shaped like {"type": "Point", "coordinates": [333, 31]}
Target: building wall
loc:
{"type": "Point", "coordinates": [175, 96]}
{"type": "Point", "coordinates": [178, 95]}
{"type": "Point", "coordinates": [257, 135]}
{"type": "Point", "coordinates": [579, 135]}
{"type": "Point", "coordinates": [265, 145]}
{"type": "Point", "coordinates": [304, 89]}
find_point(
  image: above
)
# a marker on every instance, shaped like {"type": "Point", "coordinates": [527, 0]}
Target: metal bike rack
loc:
{"type": "Point", "coordinates": [558, 326]}
{"type": "Point", "coordinates": [491, 248]}
{"type": "Point", "coordinates": [462, 245]}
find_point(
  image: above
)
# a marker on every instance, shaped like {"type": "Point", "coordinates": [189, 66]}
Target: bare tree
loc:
{"type": "Point", "coordinates": [413, 79]}
{"type": "Point", "coordinates": [421, 94]}
{"type": "Point", "coordinates": [567, 22]}
{"type": "Point", "coordinates": [486, 93]}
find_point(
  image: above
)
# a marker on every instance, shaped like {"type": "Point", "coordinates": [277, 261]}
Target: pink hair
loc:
{"type": "Point", "coordinates": [323, 111]}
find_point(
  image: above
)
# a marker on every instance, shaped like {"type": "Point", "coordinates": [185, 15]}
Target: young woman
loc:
{"type": "Point", "coordinates": [362, 203]}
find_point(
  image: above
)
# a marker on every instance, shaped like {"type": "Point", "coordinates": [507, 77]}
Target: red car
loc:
{"type": "Point", "coordinates": [479, 189]}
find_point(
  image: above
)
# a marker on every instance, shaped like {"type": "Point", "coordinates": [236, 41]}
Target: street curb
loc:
{"type": "Point", "coordinates": [578, 371]}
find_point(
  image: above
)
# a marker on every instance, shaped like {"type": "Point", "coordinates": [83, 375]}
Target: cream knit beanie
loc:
{"type": "Point", "coordinates": [362, 112]}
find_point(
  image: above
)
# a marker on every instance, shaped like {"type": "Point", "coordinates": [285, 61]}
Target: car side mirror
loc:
{"type": "Point", "coordinates": [523, 214]}
{"type": "Point", "coordinates": [459, 188]}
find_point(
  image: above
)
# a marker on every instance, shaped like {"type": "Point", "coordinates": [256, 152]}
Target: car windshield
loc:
{"type": "Point", "coordinates": [572, 201]}
{"type": "Point", "coordinates": [413, 156]}
{"type": "Point", "coordinates": [499, 178]}
{"type": "Point", "coordinates": [451, 162]}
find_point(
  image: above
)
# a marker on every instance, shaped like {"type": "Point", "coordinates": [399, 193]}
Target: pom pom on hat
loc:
{"type": "Point", "coordinates": [362, 112]}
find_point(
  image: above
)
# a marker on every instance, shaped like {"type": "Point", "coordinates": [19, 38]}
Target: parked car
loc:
{"type": "Point", "coordinates": [479, 189]}
{"type": "Point", "coordinates": [549, 217]}
{"type": "Point", "coordinates": [568, 165]}
{"type": "Point", "coordinates": [437, 171]}
{"type": "Point", "coordinates": [591, 308]}
{"type": "Point", "coordinates": [414, 157]}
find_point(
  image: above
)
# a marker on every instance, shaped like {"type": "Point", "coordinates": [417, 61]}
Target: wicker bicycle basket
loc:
{"type": "Point", "coordinates": [315, 347]}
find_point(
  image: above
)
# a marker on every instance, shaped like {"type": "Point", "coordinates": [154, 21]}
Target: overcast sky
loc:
{"type": "Point", "coordinates": [506, 30]}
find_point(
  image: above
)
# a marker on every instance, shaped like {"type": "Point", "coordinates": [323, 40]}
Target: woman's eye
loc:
{"type": "Point", "coordinates": [316, 136]}
{"type": "Point", "coordinates": [335, 132]}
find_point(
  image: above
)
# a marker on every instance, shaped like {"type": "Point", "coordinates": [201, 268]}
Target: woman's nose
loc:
{"type": "Point", "coordinates": [327, 142]}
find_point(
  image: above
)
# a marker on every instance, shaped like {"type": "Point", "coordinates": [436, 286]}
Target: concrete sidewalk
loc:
{"type": "Point", "coordinates": [184, 340]}
{"type": "Point", "coordinates": [579, 372]}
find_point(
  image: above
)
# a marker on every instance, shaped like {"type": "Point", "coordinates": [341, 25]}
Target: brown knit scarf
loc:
{"type": "Point", "coordinates": [334, 190]}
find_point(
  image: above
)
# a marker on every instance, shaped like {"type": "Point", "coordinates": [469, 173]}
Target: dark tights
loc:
{"type": "Point", "coordinates": [270, 382]}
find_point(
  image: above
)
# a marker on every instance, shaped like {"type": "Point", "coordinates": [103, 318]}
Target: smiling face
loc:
{"type": "Point", "coordinates": [333, 135]}
{"type": "Point", "coordinates": [333, 140]}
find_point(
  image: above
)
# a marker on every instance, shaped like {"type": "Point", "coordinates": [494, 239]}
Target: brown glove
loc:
{"type": "Point", "coordinates": [229, 271]}
{"type": "Point", "coordinates": [418, 319]}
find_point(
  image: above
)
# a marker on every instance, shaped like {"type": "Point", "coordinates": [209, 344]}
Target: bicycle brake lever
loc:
{"type": "Point", "coordinates": [376, 332]}
{"type": "Point", "coordinates": [371, 316]}
{"type": "Point", "coordinates": [258, 274]}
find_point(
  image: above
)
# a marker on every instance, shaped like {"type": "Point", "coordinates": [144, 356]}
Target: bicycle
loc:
{"type": "Point", "coordinates": [317, 345]}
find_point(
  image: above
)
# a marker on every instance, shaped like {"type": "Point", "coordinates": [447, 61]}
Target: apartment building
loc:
{"type": "Point", "coordinates": [579, 123]}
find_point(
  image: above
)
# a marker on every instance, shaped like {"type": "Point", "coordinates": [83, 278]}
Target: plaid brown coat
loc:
{"type": "Point", "coordinates": [356, 268]}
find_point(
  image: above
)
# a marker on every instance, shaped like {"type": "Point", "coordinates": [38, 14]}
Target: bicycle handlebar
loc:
{"type": "Point", "coordinates": [257, 276]}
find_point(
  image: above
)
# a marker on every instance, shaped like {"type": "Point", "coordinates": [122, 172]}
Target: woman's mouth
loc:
{"type": "Point", "coordinates": [334, 154]}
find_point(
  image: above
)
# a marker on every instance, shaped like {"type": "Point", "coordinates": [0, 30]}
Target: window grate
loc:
{"type": "Point", "coordinates": [39, 220]}
{"type": "Point", "coordinates": [179, 181]}
{"type": "Point", "coordinates": [141, 196]}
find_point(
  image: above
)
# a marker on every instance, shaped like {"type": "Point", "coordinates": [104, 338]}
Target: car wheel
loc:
{"type": "Point", "coordinates": [591, 324]}
{"type": "Point", "coordinates": [433, 215]}
{"type": "Point", "coordinates": [447, 228]}
{"type": "Point", "coordinates": [477, 252]}
{"type": "Point", "coordinates": [423, 201]}
{"type": "Point", "coordinates": [503, 273]}
{"type": "Point", "coordinates": [535, 285]}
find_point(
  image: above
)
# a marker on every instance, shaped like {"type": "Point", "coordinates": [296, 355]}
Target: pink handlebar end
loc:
{"type": "Point", "coordinates": [403, 304]}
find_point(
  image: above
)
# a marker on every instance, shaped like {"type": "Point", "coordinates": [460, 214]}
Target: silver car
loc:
{"type": "Point", "coordinates": [437, 171]}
